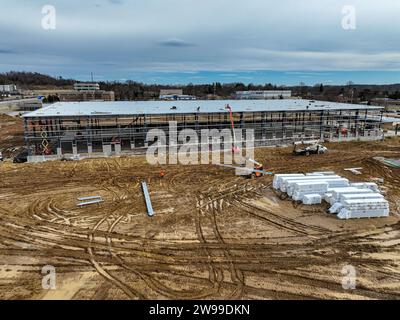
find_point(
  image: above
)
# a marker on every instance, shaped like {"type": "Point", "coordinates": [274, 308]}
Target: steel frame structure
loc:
{"type": "Point", "coordinates": [115, 134]}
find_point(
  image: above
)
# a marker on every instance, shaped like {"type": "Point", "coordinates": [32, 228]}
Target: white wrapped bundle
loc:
{"type": "Point", "coordinates": [366, 185]}
{"type": "Point", "coordinates": [337, 206]}
{"type": "Point", "coordinates": [299, 196]}
{"type": "Point", "coordinates": [354, 196]}
{"type": "Point", "coordinates": [367, 204]}
{"type": "Point", "coordinates": [357, 214]}
{"type": "Point", "coordinates": [311, 199]}
{"type": "Point", "coordinates": [321, 173]}
{"type": "Point", "coordinates": [336, 192]}
{"type": "Point", "coordinates": [286, 181]}
{"type": "Point", "coordinates": [328, 196]}
{"type": "Point", "coordinates": [278, 178]}
{"type": "Point", "coordinates": [340, 182]}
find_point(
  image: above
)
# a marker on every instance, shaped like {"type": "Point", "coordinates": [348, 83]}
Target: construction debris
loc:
{"type": "Point", "coordinates": [86, 201]}
{"type": "Point", "coordinates": [146, 194]}
{"type": "Point", "coordinates": [355, 171]}
{"type": "Point", "coordinates": [347, 200]}
{"type": "Point", "coordinates": [89, 198]}
{"type": "Point", "coordinates": [82, 204]}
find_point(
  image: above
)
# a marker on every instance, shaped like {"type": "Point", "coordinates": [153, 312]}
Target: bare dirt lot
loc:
{"type": "Point", "coordinates": [11, 134]}
{"type": "Point", "coordinates": [214, 235]}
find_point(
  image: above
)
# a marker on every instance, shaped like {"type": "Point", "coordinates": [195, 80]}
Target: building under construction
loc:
{"type": "Point", "coordinates": [113, 128]}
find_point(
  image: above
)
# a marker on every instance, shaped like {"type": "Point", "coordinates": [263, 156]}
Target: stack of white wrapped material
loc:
{"type": "Point", "coordinates": [300, 189]}
{"type": "Point", "coordinates": [321, 173]}
{"type": "Point", "coordinates": [367, 208]}
{"type": "Point", "coordinates": [337, 192]}
{"type": "Point", "coordinates": [366, 185]}
{"type": "Point", "coordinates": [361, 196]}
{"type": "Point", "coordinates": [287, 182]}
{"type": "Point", "coordinates": [355, 200]}
{"type": "Point", "coordinates": [276, 184]}
{"type": "Point", "coordinates": [337, 206]}
{"type": "Point", "coordinates": [332, 183]}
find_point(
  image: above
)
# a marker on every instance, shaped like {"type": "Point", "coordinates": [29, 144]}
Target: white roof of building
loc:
{"type": "Point", "coordinates": [95, 108]}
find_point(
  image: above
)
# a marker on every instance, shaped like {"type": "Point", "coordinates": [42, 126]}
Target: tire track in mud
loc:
{"type": "Point", "coordinates": [149, 280]}
{"type": "Point", "coordinates": [278, 220]}
{"type": "Point", "coordinates": [216, 275]}
{"type": "Point", "coordinates": [209, 210]}
{"type": "Point", "coordinates": [162, 261]}
{"type": "Point", "coordinates": [237, 275]}
{"type": "Point", "coordinates": [129, 291]}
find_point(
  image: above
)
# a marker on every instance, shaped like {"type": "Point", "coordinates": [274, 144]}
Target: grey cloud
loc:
{"type": "Point", "coordinates": [7, 51]}
{"type": "Point", "coordinates": [178, 43]}
{"type": "Point", "coordinates": [205, 35]}
{"type": "Point", "coordinates": [116, 1]}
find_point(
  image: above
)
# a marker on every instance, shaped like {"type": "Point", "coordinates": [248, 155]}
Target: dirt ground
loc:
{"type": "Point", "coordinates": [11, 134]}
{"type": "Point", "coordinates": [214, 235]}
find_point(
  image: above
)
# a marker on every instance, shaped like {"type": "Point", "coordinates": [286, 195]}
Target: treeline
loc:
{"type": "Point", "coordinates": [27, 80]}
{"type": "Point", "coordinates": [133, 90]}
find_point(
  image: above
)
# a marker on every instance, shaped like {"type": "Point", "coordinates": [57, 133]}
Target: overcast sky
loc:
{"type": "Point", "coordinates": [177, 41]}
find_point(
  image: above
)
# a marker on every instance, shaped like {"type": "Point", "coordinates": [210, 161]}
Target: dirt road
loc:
{"type": "Point", "coordinates": [214, 236]}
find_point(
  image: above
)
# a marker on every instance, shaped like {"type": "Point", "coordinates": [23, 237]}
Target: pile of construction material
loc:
{"type": "Point", "coordinates": [347, 200]}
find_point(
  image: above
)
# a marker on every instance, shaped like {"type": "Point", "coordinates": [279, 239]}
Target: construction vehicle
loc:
{"type": "Point", "coordinates": [22, 157]}
{"type": "Point", "coordinates": [235, 148]}
{"type": "Point", "coordinates": [248, 173]}
{"type": "Point", "coordinates": [258, 169]}
{"type": "Point", "coordinates": [309, 147]}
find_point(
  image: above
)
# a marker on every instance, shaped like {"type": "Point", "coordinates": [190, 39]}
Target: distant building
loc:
{"type": "Point", "coordinates": [86, 86]}
{"type": "Point", "coordinates": [263, 94]}
{"type": "Point", "coordinates": [386, 102]}
{"type": "Point", "coordinates": [175, 94]}
{"type": "Point", "coordinates": [170, 92]}
{"type": "Point", "coordinates": [31, 105]}
{"type": "Point", "coordinates": [391, 124]}
{"type": "Point", "coordinates": [84, 91]}
{"type": "Point", "coordinates": [8, 88]}
{"type": "Point", "coordinates": [76, 96]}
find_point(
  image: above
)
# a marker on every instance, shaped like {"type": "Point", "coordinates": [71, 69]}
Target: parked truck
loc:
{"type": "Point", "coordinates": [308, 147]}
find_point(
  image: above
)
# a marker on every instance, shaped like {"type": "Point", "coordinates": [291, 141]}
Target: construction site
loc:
{"type": "Point", "coordinates": [143, 231]}
{"type": "Point", "coordinates": [117, 128]}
